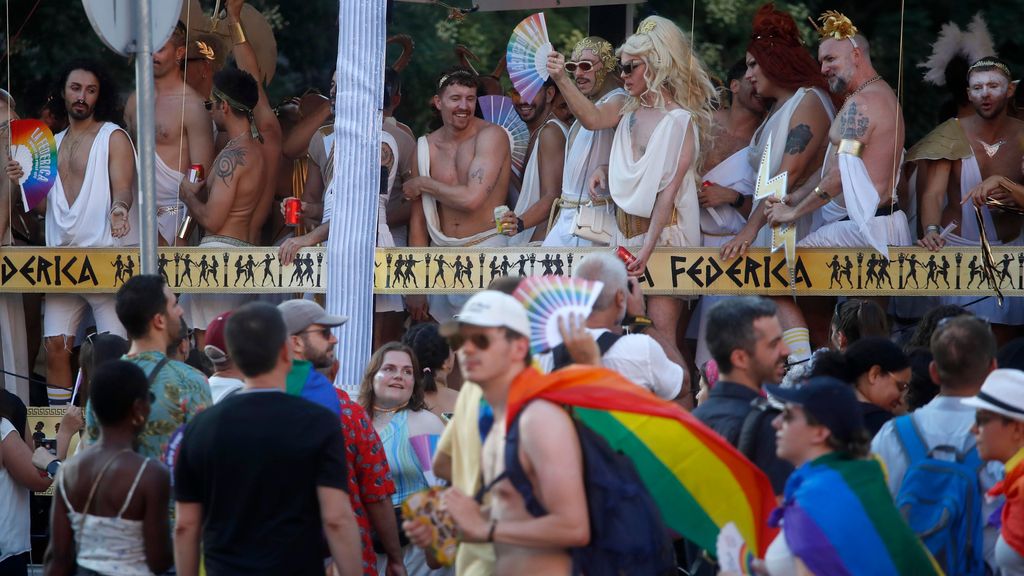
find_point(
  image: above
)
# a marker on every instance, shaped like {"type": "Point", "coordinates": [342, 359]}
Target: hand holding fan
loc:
{"type": "Point", "coordinates": [33, 147]}
{"type": "Point", "coordinates": [733, 555]}
{"type": "Point", "coordinates": [527, 56]}
{"type": "Point", "coordinates": [550, 299]}
{"type": "Point", "coordinates": [501, 111]}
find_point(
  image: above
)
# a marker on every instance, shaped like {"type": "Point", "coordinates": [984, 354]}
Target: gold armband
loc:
{"type": "Point", "coordinates": [851, 147]}
{"type": "Point", "coordinates": [238, 33]}
{"type": "Point", "coordinates": [822, 194]}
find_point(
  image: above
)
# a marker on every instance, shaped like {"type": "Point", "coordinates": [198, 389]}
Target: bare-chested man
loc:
{"type": "Point", "coordinates": [184, 135]}
{"type": "Point", "coordinates": [233, 188]}
{"type": "Point", "coordinates": [93, 213]}
{"type": "Point", "coordinates": [865, 138]}
{"type": "Point", "coordinates": [959, 155]}
{"type": "Point", "coordinates": [542, 177]}
{"type": "Point", "coordinates": [494, 352]}
{"type": "Point", "coordinates": [454, 193]}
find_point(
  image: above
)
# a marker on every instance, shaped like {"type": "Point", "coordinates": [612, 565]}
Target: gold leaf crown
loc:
{"type": "Point", "coordinates": [646, 26]}
{"type": "Point", "coordinates": [836, 26]}
{"type": "Point", "coordinates": [602, 48]}
{"type": "Point", "coordinates": [205, 50]}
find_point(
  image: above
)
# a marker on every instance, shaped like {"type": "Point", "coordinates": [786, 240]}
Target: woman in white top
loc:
{"type": "Point", "coordinates": [18, 476]}
{"type": "Point", "coordinates": [111, 504]}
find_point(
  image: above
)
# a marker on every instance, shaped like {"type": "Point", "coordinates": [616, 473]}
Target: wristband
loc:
{"type": "Point", "coordinates": [822, 194]}
{"type": "Point", "coordinates": [238, 33]}
{"type": "Point", "coordinates": [933, 228]}
{"type": "Point", "coordinates": [120, 203]}
{"type": "Point", "coordinates": [739, 200]}
{"type": "Point", "coordinates": [490, 533]}
{"type": "Point", "coordinates": [52, 468]}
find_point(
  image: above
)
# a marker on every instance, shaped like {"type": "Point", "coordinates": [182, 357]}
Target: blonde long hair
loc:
{"type": "Point", "coordinates": [671, 62]}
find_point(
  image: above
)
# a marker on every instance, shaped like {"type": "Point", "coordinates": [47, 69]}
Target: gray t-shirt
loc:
{"type": "Point", "coordinates": [1009, 561]}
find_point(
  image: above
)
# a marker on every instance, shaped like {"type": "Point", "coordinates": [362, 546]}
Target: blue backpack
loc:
{"type": "Point", "coordinates": [627, 535]}
{"type": "Point", "coordinates": [941, 500]}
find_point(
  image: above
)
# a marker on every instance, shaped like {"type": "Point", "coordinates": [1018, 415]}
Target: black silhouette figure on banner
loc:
{"type": "Point", "coordinates": [118, 270]}
{"type": "Point", "coordinates": [848, 270]}
{"type": "Point", "coordinates": [396, 273]}
{"type": "Point", "coordinates": [468, 272]}
{"type": "Point", "coordinates": [268, 259]}
{"type": "Point", "coordinates": [976, 272]}
{"type": "Point", "coordinates": [558, 265]}
{"type": "Point", "coordinates": [1004, 270]}
{"type": "Point", "coordinates": [494, 268]}
{"type": "Point", "coordinates": [522, 265]}
{"type": "Point", "coordinates": [296, 279]}
{"type": "Point", "coordinates": [547, 262]}
{"type": "Point", "coordinates": [871, 276]}
{"type": "Point", "coordinates": [457, 268]}
{"type": "Point", "coordinates": [410, 264]}
{"type": "Point", "coordinates": [836, 268]}
{"type": "Point", "coordinates": [912, 274]}
{"type": "Point", "coordinates": [204, 270]}
{"type": "Point", "coordinates": [250, 272]}
{"type": "Point", "coordinates": [931, 267]}
{"type": "Point", "coordinates": [129, 268]}
{"type": "Point", "coordinates": [214, 266]}
{"type": "Point", "coordinates": [188, 261]}
{"type": "Point", "coordinates": [309, 269]}
{"type": "Point", "coordinates": [883, 272]}
{"type": "Point", "coordinates": [161, 265]}
{"type": "Point", "coordinates": [240, 271]}
{"type": "Point", "coordinates": [943, 272]}
{"type": "Point", "coordinates": [505, 265]}
{"type": "Point", "coordinates": [440, 270]}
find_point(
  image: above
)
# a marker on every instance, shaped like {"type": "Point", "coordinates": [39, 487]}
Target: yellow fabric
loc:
{"type": "Point", "coordinates": [461, 442]}
{"type": "Point", "coordinates": [946, 142]}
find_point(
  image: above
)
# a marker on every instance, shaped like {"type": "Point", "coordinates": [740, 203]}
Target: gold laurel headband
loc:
{"type": "Point", "coordinates": [989, 63]}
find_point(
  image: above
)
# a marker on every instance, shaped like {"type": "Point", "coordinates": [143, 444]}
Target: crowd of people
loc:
{"type": "Point", "coordinates": [214, 436]}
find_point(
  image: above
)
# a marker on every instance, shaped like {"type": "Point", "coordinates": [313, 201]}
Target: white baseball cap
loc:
{"type": "Point", "coordinates": [490, 309]}
{"type": "Point", "coordinates": [1002, 393]}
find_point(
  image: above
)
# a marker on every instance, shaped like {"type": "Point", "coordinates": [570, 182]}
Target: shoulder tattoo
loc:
{"type": "Point", "coordinates": [798, 139]}
{"type": "Point", "coordinates": [229, 159]}
{"type": "Point", "coordinates": [852, 123]}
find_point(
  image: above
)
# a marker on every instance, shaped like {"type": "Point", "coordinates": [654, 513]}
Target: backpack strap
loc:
{"type": "Point", "coordinates": [156, 370]}
{"type": "Point", "coordinates": [749, 432]}
{"type": "Point", "coordinates": [910, 438]}
{"type": "Point", "coordinates": [560, 354]}
{"type": "Point", "coordinates": [514, 469]}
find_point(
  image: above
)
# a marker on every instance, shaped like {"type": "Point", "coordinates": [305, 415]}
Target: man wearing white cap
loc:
{"type": "Point", "coordinates": [491, 335]}
{"type": "Point", "coordinates": [999, 431]}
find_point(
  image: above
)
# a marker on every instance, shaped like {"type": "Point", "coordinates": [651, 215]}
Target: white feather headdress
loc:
{"type": "Point", "coordinates": [972, 44]}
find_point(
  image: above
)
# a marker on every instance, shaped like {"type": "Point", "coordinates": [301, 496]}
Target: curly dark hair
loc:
{"type": "Point", "coordinates": [431, 350]}
{"type": "Point", "coordinates": [107, 100]}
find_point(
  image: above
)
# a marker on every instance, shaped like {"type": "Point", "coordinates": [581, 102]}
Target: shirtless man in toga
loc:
{"type": "Point", "coordinates": [454, 196]}
{"type": "Point", "coordinates": [184, 135]}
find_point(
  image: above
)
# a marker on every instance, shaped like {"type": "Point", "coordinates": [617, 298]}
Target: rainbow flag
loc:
{"type": "Point", "coordinates": [699, 481]}
{"type": "Point", "coordinates": [839, 518]}
{"type": "Point", "coordinates": [33, 146]}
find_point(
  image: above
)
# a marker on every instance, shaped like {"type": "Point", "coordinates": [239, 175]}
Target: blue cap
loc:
{"type": "Point", "coordinates": [829, 400]}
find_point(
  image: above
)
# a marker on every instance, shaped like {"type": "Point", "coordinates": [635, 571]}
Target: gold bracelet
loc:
{"type": "Point", "coordinates": [238, 33]}
{"type": "Point", "coordinates": [822, 194]}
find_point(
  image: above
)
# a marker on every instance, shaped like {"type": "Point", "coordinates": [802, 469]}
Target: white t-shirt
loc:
{"type": "Point", "coordinates": [639, 358]}
{"type": "Point", "coordinates": [220, 387]}
{"type": "Point", "coordinates": [14, 528]}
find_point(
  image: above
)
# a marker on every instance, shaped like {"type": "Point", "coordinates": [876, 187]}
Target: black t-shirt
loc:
{"type": "Point", "coordinates": [254, 462]}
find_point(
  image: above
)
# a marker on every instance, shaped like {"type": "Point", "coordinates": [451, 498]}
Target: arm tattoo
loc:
{"type": "Point", "coordinates": [477, 175]}
{"type": "Point", "coordinates": [852, 124]}
{"type": "Point", "coordinates": [229, 159]}
{"type": "Point", "coordinates": [798, 139]}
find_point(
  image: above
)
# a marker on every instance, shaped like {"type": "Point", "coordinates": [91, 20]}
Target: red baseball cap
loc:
{"type": "Point", "coordinates": [216, 348]}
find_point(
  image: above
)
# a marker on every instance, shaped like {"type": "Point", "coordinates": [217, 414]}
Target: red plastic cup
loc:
{"type": "Point", "coordinates": [292, 210]}
{"type": "Point", "coordinates": [195, 173]}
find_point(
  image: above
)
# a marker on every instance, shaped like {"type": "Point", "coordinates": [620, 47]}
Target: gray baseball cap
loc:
{"type": "Point", "coordinates": [301, 314]}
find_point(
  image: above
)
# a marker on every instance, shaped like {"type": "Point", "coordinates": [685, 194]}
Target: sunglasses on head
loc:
{"type": "Point", "coordinates": [628, 67]}
{"type": "Point", "coordinates": [582, 66]}
{"type": "Point", "coordinates": [480, 341]}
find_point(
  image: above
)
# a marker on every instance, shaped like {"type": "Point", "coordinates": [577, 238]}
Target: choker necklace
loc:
{"type": "Point", "coordinates": [991, 149]}
{"type": "Point", "coordinates": [876, 78]}
{"type": "Point", "coordinates": [391, 410]}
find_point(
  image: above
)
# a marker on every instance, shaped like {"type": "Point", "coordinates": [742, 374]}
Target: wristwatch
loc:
{"type": "Point", "coordinates": [52, 468]}
{"type": "Point", "coordinates": [739, 200]}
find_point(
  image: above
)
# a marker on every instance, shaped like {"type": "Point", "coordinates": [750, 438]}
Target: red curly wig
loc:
{"type": "Point", "coordinates": [775, 44]}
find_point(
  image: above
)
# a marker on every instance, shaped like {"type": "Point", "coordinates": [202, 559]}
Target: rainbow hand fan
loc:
{"type": "Point", "coordinates": [501, 111]}
{"type": "Point", "coordinates": [548, 299]}
{"type": "Point", "coordinates": [527, 56]}
{"type": "Point", "coordinates": [33, 146]}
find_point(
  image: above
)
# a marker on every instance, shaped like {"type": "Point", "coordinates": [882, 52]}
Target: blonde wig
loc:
{"type": "Point", "coordinates": [672, 63]}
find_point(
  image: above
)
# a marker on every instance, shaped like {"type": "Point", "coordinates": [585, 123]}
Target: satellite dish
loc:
{"type": "Point", "coordinates": [116, 22]}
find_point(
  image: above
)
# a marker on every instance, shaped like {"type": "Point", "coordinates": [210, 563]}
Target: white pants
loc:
{"type": "Point", "coordinates": [62, 314]}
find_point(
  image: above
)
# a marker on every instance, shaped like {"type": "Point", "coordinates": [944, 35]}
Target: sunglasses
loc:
{"type": "Point", "coordinates": [480, 341]}
{"type": "Point", "coordinates": [628, 67]}
{"type": "Point", "coordinates": [210, 104]}
{"type": "Point", "coordinates": [325, 332]}
{"type": "Point", "coordinates": [582, 66]}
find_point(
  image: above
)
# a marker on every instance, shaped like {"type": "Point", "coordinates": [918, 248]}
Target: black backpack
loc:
{"type": "Point", "coordinates": [627, 535]}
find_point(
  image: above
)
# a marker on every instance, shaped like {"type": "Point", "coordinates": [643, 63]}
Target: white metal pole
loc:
{"type": "Point", "coordinates": [145, 112]}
